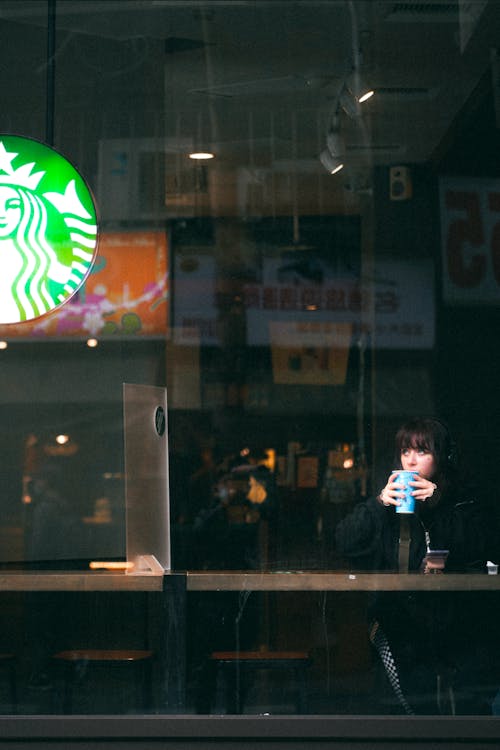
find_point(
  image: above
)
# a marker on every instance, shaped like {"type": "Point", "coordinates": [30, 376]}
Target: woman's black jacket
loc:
{"type": "Point", "coordinates": [368, 538]}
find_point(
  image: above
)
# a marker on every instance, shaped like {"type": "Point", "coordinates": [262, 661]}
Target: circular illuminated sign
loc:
{"type": "Point", "coordinates": [48, 229]}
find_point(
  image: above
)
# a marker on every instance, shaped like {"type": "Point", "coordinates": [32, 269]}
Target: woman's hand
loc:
{"type": "Point", "coordinates": [424, 488]}
{"type": "Point", "coordinates": [392, 492]}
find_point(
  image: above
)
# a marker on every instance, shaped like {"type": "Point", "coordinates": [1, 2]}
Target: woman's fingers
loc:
{"type": "Point", "coordinates": [424, 488]}
{"type": "Point", "coordinates": [392, 492]}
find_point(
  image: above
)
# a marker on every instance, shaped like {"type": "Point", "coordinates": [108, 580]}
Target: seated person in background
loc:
{"type": "Point", "coordinates": [260, 511]}
{"type": "Point", "coordinates": [232, 532]}
{"type": "Point", "coordinates": [422, 636]}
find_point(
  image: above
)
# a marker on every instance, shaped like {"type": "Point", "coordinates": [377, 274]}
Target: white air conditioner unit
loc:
{"type": "Point", "coordinates": [147, 179]}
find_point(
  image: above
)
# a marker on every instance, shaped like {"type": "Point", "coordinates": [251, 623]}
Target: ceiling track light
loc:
{"type": "Point", "coordinates": [332, 164]}
{"type": "Point", "coordinates": [366, 93]}
{"type": "Point", "coordinates": [349, 104]}
{"type": "Point", "coordinates": [335, 142]}
{"type": "Point", "coordinates": [351, 95]}
{"type": "Point", "coordinates": [332, 158]}
{"type": "Point", "coordinates": [358, 88]}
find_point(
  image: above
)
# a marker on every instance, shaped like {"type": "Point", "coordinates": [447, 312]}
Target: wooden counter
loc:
{"type": "Point", "coordinates": [242, 581]}
{"type": "Point", "coordinates": [78, 581]}
{"type": "Point", "coordinates": [334, 581]}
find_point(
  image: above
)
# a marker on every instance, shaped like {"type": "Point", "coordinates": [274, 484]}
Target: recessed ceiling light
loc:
{"type": "Point", "coordinates": [201, 155]}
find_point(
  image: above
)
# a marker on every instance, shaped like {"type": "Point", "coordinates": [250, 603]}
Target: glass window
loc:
{"type": "Point", "coordinates": [297, 207]}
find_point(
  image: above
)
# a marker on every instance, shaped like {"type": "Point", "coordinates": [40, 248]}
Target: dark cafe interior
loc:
{"type": "Point", "coordinates": [249, 288]}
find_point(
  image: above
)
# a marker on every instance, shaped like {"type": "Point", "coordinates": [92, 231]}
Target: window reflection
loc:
{"type": "Point", "coordinates": [297, 317]}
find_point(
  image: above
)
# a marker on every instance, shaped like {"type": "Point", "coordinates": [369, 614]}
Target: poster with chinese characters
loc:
{"type": "Point", "coordinates": [401, 295]}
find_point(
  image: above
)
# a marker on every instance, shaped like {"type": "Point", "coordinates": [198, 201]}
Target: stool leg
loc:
{"type": "Point", "coordinates": [68, 680]}
{"type": "Point", "coordinates": [232, 688]}
{"type": "Point", "coordinates": [145, 688]}
{"type": "Point", "coordinates": [13, 687]}
{"type": "Point", "coordinates": [229, 688]}
{"type": "Point", "coordinates": [236, 678]}
{"type": "Point", "coordinates": [300, 676]}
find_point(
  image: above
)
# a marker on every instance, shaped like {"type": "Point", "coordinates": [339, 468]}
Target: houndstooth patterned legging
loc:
{"type": "Point", "coordinates": [381, 644]}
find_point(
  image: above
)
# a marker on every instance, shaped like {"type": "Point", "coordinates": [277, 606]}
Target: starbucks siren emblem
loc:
{"type": "Point", "coordinates": [48, 229]}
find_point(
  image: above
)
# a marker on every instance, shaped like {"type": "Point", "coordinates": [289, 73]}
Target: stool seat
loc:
{"type": "Point", "coordinates": [95, 654]}
{"type": "Point", "coordinates": [261, 655]}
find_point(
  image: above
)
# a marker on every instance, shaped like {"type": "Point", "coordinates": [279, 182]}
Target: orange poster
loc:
{"type": "Point", "coordinates": [126, 294]}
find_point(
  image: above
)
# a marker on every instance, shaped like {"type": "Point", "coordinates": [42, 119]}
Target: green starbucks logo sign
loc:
{"type": "Point", "coordinates": [48, 229]}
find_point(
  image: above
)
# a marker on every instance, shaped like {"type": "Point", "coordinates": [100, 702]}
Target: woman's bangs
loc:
{"type": "Point", "coordinates": [417, 441]}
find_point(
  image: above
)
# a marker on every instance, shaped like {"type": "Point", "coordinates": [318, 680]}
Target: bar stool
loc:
{"type": "Point", "coordinates": [248, 662]}
{"type": "Point", "coordinates": [75, 662]}
{"type": "Point", "coordinates": [8, 663]}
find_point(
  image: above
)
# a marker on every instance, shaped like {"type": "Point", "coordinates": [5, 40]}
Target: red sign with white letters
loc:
{"type": "Point", "coordinates": [470, 240]}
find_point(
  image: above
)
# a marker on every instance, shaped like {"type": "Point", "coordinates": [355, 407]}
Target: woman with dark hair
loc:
{"type": "Point", "coordinates": [423, 445]}
{"type": "Point", "coordinates": [422, 636]}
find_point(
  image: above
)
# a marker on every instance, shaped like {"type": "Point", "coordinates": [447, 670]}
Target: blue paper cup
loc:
{"type": "Point", "coordinates": [407, 503]}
